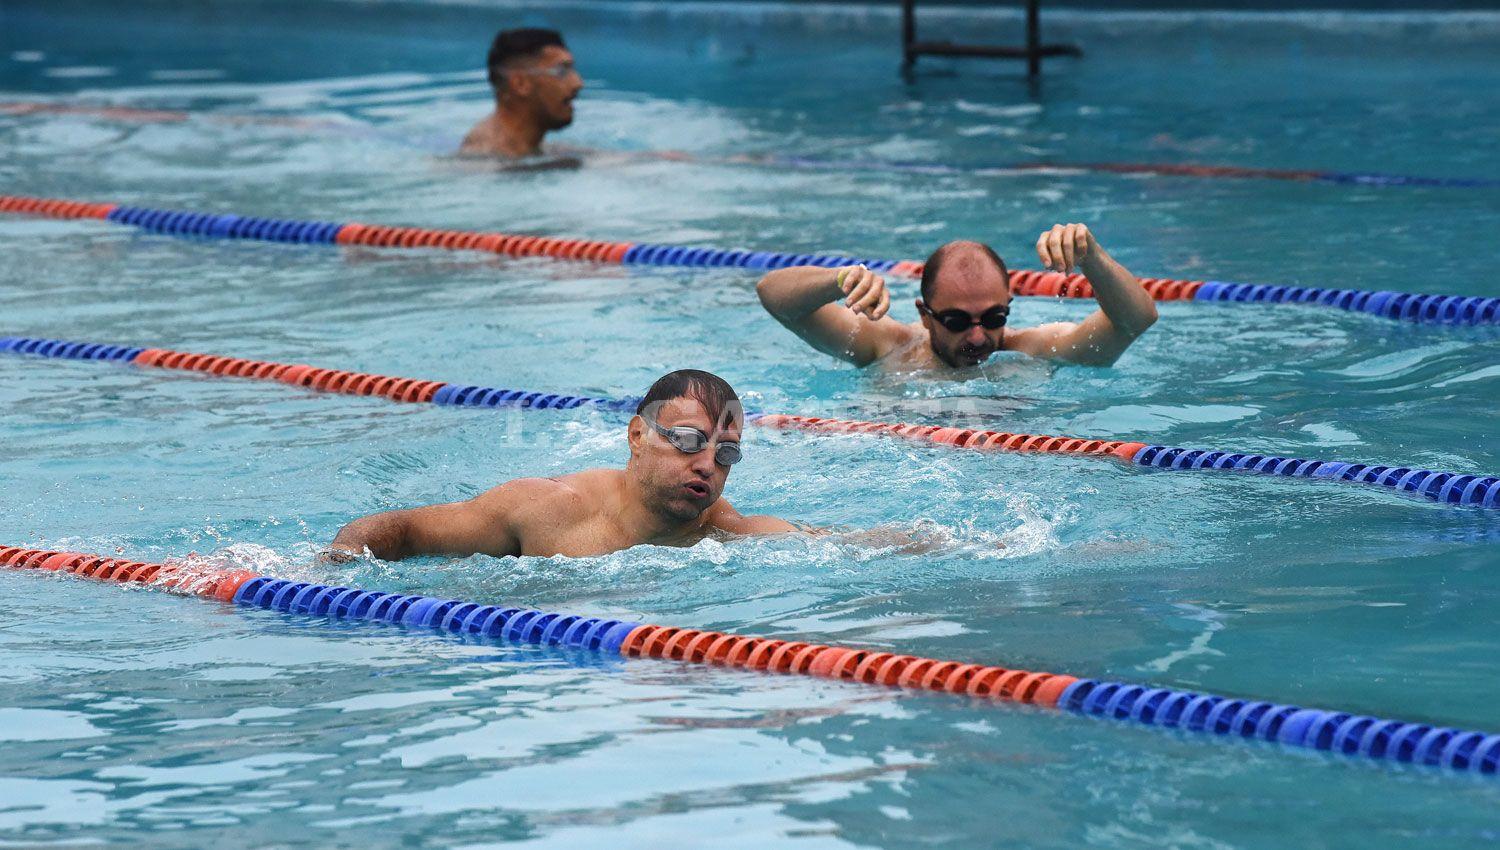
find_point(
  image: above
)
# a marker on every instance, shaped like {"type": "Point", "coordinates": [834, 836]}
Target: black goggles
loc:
{"type": "Point", "coordinates": [958, 321]}
{"type": "Point", "coordinates": [691, 441]}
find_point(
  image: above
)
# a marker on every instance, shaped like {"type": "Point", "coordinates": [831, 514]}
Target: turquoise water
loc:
{"type": "Point", "coordinates": [136, 718]}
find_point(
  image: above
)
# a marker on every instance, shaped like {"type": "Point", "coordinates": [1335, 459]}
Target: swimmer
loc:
{"type": "Point", "coordinates": [683, 439]}
{"type": "Point", "coordinates": [535, 83]}
{"type": "Point", "coordinates": [964, 310]}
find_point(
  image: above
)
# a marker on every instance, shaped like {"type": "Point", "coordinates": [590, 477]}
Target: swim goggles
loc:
{"type": "Point", "coordinates": [556, 72]}
{"type": "Point", "coordinates": [691, 441]}
{"type": "Point", "coordinates": [958, 321]}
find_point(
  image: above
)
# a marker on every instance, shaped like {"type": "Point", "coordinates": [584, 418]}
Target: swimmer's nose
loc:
{"type": "Point", "coordinates": [975, 336]}
{"type": "Point", "coordinates": [703, 463]}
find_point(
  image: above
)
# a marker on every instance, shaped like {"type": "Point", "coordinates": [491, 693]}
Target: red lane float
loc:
{"type": "Point", "coordinates": [381, 236]}
{"type": "Point", "coordinates": [963, 438]}
{"type": "Point", "coordinates": [193, 581]}
{"type": "Point", "coordinates": [53, 208]}
{"type": "Point", "coordinates": [297, 375]}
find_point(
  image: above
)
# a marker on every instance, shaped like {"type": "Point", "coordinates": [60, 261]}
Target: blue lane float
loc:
{"type": "Point", "coordinates": [514, 625]}
{"type": "Point", "coordinates": [1403, 306]}
{"type": "Point", "coordinates": [1447, 487]}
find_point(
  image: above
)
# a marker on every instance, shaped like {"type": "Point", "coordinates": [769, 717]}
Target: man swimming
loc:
{"type": "Point", "coordinates": [535, 82]}
{"type": "Point", "coordinates": [683, 439]}
{"type": "Point", "coordinates": [964, 309]}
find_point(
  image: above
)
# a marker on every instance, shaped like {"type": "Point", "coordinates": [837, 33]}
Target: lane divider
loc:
{"type": "Point", "coordinates": [138, 115]}
{"type": "Point", "coordinates": [302, 375]}
{"type": "Point", "coordinates": [1154, 169]}
{"type": "Point", "coordinates": [132, 114]}
{"type": "Point", "coordinates": [1214, 716]}
{"type": "Point", "coordinates": [1444, 487]}
{"type": "Point", "coordinates": [1405, 306]}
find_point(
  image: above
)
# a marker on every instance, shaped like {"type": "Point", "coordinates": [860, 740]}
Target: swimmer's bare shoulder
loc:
{"type": "Point", "coordinates": [1040, 341]}
{"type": "Point", "coordinates": [722, 517]}
{"type": "Point", "coordinates": [481, 140]}
{"type": "Point", "coordinates": [540, 508]}
{"type": "Point", "coordinates": [909, 349]}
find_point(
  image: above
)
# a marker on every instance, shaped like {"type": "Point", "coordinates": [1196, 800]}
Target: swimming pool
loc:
{"type": "Point", "coordinates": [138, 718]}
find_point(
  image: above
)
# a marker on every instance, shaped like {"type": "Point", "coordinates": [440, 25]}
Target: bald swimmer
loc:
{"type": "Point", "coordinates": [964, 311]}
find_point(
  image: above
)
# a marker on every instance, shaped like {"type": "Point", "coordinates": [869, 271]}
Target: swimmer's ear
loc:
{"type": "Point", "coordinates": [634, 433]}
{"type": "Point", "coordinates": [518, 82]}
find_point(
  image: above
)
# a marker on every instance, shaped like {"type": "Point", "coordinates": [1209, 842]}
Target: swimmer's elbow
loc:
{"type": "Point", "coordinates": [1139, 325]}
{"type": "Point", "coordinates": [772, 295]}
{"type": "Point", "coordinates": [781, 304]}
{"type": "Point", "coordinates": [764, 289]}
{"type": "Point", "coordinates": [1135, 322]}
{"type": "Point", "coordinates": [1149, 315]}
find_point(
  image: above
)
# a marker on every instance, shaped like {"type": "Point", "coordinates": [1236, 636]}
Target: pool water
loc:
{"type": "Point", "coordinates": [140, 719]}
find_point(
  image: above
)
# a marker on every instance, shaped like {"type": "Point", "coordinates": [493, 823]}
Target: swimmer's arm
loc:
{"type": "Point", "coordinates": [487, 524]}
{"type": "Point", "coordinates": [845, 319]}
{"type": "Point", "coordinates": [897, 539]}
{"type": "Point", "coordinates": [725, 518]}
{"type": "Point", "coordinates": [1125, 311]}
{"type": "Point", "coordinates": [906, 541]}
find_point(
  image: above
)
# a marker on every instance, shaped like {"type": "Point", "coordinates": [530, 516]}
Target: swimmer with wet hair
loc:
{"type": "Point", "coordinates": [535, 83]}
{"type": "Point", "coordinates": [683, 439]}
{"type": "Point", "coordinates": [964, 310]}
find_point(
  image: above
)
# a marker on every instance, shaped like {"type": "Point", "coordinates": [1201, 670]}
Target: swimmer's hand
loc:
{"type": "Point", "coordinates": [864, 291]}
{"type": "Point", "coordinates": [337, 556]}
{"type": "Point", "coordinates": [1066, 247]}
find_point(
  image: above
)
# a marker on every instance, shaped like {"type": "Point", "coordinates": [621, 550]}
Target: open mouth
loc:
{"type": "Point", "coordinates": [697, 488]}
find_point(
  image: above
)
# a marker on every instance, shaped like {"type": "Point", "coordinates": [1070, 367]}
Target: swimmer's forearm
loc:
{"type": "Point", "coordinates": [794, 294]}
{"type": "Point", "coordinates": [898, 539]}
{"type": "Point", "coordinates": [1130, 308]}
{"type": "Point", "coordinates": [383, 535]}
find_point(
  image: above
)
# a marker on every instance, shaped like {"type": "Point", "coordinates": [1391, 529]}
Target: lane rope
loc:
{"type": "Point", "coordinates": [129, 114]}
{"type": "Point", "coordinates": [1405, 306]}
{"type": "Point", "coordinates": [1152, 169]}
{"type": "Point", "coordinates": [1215, 717]}
{"type": "Point", "coordinates": [1447, 488]}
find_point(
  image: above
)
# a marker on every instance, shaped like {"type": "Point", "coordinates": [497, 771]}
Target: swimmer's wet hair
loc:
{"type": "Point", "coordinates": [511, 45]}
{"type": "Point", "coordinates": [935, 262]}
{"type": "Point", "coordinates": [706, 388]}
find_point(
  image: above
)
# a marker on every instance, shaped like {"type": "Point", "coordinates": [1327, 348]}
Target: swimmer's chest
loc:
{"type": "Point", "coordinates": [586, 538]}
